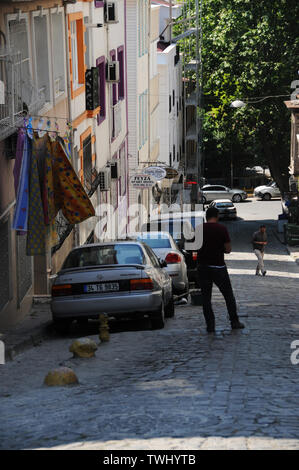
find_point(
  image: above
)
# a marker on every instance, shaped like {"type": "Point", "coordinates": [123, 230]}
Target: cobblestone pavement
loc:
{"type": "Point", "coordinates": [177, 388]}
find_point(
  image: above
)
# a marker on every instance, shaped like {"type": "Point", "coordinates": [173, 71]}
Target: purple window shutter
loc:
{"type": "Point", "coordinates": [101, 64]}
{"type": "Point", "coordinates": [98, 3]}
{"type": "Point", "coordinates": [121, 85]}
{"type": "Point", "coordinates": [114, 87]}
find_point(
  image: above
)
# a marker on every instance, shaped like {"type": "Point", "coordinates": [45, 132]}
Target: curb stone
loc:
{"type": "Point", "coordinates": [34, 339]}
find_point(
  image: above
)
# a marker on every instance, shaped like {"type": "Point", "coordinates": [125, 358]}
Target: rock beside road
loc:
{"type": "Point", "coordinates": [61, 376]}
{"type": "Point", "coordinates": [83, 347]}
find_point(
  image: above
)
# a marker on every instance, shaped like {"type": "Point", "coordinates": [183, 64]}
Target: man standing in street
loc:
{"type": "Point", "coordinates": [259, 241]}
{"type": "Point", "coordinates": [212, 269]}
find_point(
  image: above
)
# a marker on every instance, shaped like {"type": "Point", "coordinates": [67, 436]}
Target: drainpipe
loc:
{"type": "Point", "coordinates": [69, 100]}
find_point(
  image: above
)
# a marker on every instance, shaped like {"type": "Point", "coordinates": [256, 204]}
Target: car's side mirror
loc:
{"type": "Point", "coordinates": [163, 263]}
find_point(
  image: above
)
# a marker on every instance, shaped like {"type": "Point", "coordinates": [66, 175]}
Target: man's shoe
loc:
{"type": "Point", "coordinates": [257, 274]}
{"type": "Point", "coordinates": [264, 273]}
{"type": "Point", "coordinates": [211, 328]}
{"type": "Point", "coordinates": [237, 325]}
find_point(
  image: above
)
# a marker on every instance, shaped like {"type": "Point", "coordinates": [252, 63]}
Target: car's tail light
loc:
{"type": "Point", "coordinates": [61, 289]}
{"type": "Point", "coordinates": [194, 255]}
{"type": "Point", "coordinates": [141, 284]}
{"type": "Point", "coordinates": [173, 258]}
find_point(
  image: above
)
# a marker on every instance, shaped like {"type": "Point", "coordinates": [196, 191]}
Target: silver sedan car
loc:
{"type": "Point", "coordinates": [164, 246]}
{"type": "Point", "coordinates": [226, 208]}
{"type": "Point", "coordinates": [211, 192]}
{"type": "Point", "coordinates": [121, 279]}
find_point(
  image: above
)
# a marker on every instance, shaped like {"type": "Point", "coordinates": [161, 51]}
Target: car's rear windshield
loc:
{"type": "Point", "coordinates": [174, 225]}
{"type": "Point", "coordinates": [224, 204]}
{"type": "Point", "coordinates": [121, 253]}
{"type": "Point", "coordinates": [156, 241]}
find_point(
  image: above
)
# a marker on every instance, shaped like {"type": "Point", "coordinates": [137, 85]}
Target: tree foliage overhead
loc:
{"type": "Point", "coordinates": [250, 50]}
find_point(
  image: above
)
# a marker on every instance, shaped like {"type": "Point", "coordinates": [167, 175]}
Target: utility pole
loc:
{"type": "Point", "coordinates": [198, 58]}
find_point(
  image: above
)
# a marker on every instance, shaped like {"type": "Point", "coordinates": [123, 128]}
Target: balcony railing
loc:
{"type": "Point", "coordinates": [18, 95]}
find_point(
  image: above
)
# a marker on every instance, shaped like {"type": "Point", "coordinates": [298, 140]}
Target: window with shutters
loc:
{"type": "Point", "coordinates": [121, 85]}
{"type": "Point", "coordinates": [101, 64]}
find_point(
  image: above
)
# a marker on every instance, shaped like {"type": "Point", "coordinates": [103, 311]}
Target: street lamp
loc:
{"type": "Point", "coordinates": [237, 104]}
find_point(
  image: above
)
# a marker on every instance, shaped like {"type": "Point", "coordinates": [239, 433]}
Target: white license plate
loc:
{"type": "Point", "coordinates": [105, 287]}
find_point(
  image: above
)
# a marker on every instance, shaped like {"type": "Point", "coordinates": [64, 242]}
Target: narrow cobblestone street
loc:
{"type": "Point", "coordinates": [176, 388]}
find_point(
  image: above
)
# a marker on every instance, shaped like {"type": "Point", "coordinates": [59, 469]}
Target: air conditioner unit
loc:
{"type": "Point", "coordinates": [112, 71]}
{"type": "Point", "coordinates": [105, 179]}
{"type": "Point", "coordinates": [111, 12]}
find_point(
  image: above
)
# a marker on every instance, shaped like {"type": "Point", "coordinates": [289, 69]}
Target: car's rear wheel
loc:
{"type": "Point", "coordinates": [237, 198]}
{"type": "Point", "coordinates": [169, 309]}
{"type": "Point", "coordinates": [158, 319]}
{"type": "Point", "coordinates": [204, 200]}
{"type": "Point", "coordinates": [62, 326]}
{"type": "Point", "coordinates": [267, 197]}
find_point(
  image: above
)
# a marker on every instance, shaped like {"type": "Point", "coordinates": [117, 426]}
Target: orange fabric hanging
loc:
{"type": "Point", "coordinates": [69, 194]}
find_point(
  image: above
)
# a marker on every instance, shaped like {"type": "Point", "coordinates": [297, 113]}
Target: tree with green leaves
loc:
{"type": "Point", "coordinates": [250, 51]}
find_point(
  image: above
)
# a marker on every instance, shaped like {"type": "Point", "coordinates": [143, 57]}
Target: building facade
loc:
{"type": "Point", "coordinates": [69, 67]}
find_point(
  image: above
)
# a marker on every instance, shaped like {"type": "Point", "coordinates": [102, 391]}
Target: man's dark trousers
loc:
{"type": "Point", "coordinates": [220, 277]}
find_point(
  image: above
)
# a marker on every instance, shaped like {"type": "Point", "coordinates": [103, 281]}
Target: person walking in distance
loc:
{"type": "Point", "coordinates": [212, 269]}
{"type": "Point", "coordinates": [259, 241]}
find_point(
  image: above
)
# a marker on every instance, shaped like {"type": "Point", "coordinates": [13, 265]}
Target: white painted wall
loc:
{"type": "Point", "coordinates": [170, 124]}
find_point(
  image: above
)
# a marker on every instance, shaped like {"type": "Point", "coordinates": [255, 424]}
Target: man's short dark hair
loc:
{"type": "Point", "coordinates": [212, 212]}
{"type": "Point", "coordinates": [262, 226]}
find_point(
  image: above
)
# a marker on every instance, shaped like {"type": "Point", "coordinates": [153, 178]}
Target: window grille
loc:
{"type": "Point", "coordinates": [19, 93]}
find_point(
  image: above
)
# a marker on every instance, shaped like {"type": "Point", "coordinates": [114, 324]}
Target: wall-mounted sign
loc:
{"type": "Point", "coordinates": [156, 171]}
{"type": "Point", "coordinates": [171, 173]}
{"type": "Point", "coordinates": [142, 181]}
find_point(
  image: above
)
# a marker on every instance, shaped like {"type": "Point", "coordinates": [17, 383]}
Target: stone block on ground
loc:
{"type": "Point", "coordinates": [61, 376]}
{"type": "Point", "coordinates": [83, 347]}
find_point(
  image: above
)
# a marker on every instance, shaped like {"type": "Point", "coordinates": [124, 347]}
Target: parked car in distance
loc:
{"type": "Point", "coordinates": [211, 192]}
{"type": "Point", "coordinates": [225, 207]}
{"type": "Point", "coordinates": [165, 248]}
{"type": "Point", "coordinates": [178, 223]}
{"type": "Point", "coordinates": [267, 191]}
{"type": "Point", "coordinates": [121, 278]}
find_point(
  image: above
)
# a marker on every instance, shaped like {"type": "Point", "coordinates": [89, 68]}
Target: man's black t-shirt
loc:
{"type": "Point", "coordinates": [212, 250]}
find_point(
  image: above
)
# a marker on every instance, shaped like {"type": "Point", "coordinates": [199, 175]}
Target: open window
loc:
{"type": "Point", "coordinates": [41, 53]}
{"type": "Point", "coordinates": [77, 62]}
{"type": "Point", "coordinates": [58, 41]}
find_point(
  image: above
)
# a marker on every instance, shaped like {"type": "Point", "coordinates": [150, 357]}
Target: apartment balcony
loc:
{"type": "Point", "coordinates": [191, 133]}
{"type": "Point", "coordinates": [192, 65]}
{"type": "Point", "coordinates": [19, 96]}
{"type": "Point", "coordinates": [154, 93]}
{"type": "Point", "coordinates": [185, 34]}
{"type": "Point", "coordinates": [155, 150]}
{"type": "Point", "coordinates": [192, 99]}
